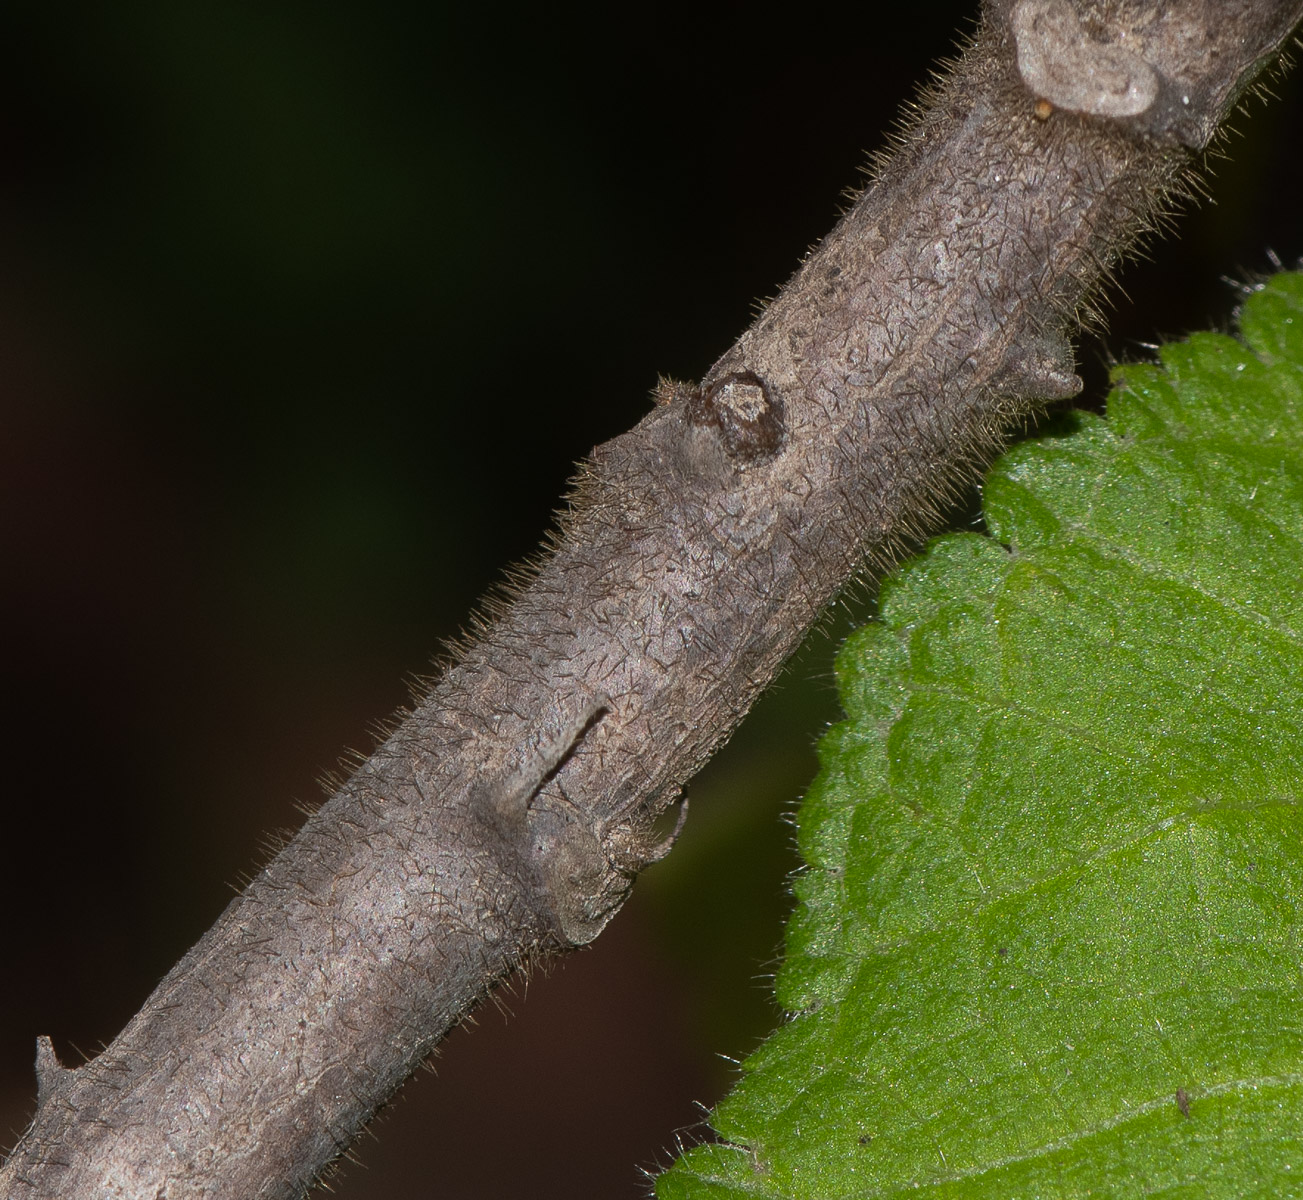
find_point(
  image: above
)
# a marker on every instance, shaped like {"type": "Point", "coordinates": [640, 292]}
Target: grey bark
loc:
{"type": "Point", "coordinates": [506, 816]}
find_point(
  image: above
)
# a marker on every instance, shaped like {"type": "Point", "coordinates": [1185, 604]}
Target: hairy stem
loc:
{"type": "Point", "coordinates": [506, 816]}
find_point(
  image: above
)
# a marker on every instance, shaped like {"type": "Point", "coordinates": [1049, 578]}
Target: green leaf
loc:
{"type": "Point", "coordinates": [1049, 941]}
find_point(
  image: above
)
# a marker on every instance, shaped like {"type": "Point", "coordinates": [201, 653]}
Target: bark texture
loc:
{"type": "Point", "coordinates": [506, 816]}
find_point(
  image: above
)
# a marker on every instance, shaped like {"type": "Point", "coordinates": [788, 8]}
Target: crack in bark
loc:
{"type": "Point", "coordinates": [506, 815]}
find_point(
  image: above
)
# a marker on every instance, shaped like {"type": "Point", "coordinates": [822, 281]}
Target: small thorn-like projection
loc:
{"type": "Point", "coordinates": [1041, 369]}
{"type": "Point", "coordinates": [51, 1074]}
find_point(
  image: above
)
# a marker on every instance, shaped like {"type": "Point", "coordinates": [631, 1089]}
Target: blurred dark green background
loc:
{"type": "Point", "coordinates": [305, 311]}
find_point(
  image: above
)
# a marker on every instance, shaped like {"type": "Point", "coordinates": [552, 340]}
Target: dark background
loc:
{"type": "Point", "coordinates": [305, 311]}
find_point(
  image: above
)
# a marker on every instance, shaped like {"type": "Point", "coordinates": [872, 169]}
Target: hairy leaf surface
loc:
{"type": "Point", "coordinates": [1049, 941]}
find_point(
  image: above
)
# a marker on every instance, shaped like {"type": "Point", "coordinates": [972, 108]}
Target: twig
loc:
{"type": "Point", "coordinates": [506, 816]}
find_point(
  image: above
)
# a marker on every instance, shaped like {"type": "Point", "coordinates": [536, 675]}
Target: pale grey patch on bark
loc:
{"type": "Point", "coordinates": [1060, 62]}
